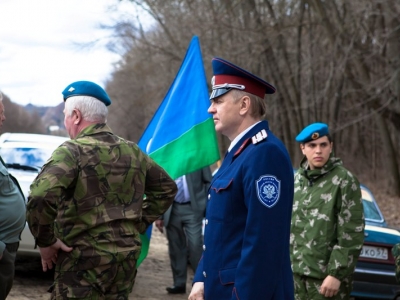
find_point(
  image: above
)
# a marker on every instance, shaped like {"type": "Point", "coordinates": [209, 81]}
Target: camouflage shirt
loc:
{"type": "Point", "coordinates": [90, 195]}
{"type": "Point", "coordinates": [327, 230]}
{"type": "Point", "coordinates": [396, 254]}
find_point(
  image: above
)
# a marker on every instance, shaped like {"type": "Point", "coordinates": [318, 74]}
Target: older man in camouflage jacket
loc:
{"type": "Point", "coordinates": [327, 230]}
{"type": "Point", "coordinates": [87, 207]}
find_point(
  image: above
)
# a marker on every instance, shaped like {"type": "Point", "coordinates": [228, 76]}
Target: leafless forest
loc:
{"type": "Point", "coordinates": [333, 61]}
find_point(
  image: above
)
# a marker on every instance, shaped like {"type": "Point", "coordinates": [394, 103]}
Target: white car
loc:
{"type": "Point", "coordinates": [24, 155]}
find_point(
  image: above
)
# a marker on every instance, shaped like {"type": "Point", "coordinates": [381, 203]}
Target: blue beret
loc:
{"type": "Point", "coordinates": [228, 76]}
{"type": "Point", "coordinates": [312, 132]}
{"type": "Point", "coordinates": [86, 88]}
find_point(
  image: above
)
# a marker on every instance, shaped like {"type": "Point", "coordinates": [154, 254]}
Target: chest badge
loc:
{"type": "Point", "coordinates": [268, 190]}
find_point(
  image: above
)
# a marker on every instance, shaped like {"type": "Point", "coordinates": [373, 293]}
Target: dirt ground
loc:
{"type": "Point", "coordinates": [154, 275]}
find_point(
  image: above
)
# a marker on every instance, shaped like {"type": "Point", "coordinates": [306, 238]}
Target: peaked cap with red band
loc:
{"type": "Point", "coordinates": [228, 76]}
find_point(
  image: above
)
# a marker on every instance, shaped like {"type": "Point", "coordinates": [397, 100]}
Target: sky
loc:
{"type": "Point", "coordinates": [41, 46]}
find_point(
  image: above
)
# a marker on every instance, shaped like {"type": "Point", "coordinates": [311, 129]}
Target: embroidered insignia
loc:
{"type": "Point", "coordinates": [315, 135]}
{"type": "Point", "coordinates": [260, 136]}
{"type": "Point", "coordinates": [268, 190]}
{"type": "Point", "coordinates": [71, 89]}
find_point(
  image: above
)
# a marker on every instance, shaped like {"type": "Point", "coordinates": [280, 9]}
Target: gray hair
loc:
{"type": "Point", "coordinates": [92, 109]}
{"type": "Point", "coordinates": [258, 107]}
{"type": "Point", "coordinates": [1, 96]}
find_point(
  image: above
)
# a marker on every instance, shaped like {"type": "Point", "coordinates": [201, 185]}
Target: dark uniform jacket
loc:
{"type": "Point", "coordinates": [246, 246]}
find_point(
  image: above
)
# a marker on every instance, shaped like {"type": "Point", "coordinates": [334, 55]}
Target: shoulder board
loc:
{"type": "Point", "coordinates": [259, 136]}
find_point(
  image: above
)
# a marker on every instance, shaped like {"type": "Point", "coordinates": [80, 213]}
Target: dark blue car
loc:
{"type": "Point", "coordinates": [374, 276]}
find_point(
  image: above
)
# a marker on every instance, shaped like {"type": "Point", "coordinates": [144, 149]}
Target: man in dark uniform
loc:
{"type": "Point", "coordinates": [246, 241]}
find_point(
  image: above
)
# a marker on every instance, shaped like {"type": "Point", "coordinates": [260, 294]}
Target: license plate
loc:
{"type": "Point", "coordinates": [374, 252]}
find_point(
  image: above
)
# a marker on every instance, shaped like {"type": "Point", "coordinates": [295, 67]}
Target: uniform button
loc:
{"type": "Point", "coordinates": [204, 274]}
{"type": "Point", "coordinates": [204, 247]}
{"type": "Point", "coordinates": [206, 221]}
{"type": "Point", "coordinates": [209, 196]}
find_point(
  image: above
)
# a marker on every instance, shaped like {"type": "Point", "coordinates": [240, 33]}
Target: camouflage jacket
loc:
{"type": "Point", "coordinates": [396, 254]}
{"type": "Point", "coordinates": [327, 230]}
{"type": "Point", "coordinates": [90, 195]}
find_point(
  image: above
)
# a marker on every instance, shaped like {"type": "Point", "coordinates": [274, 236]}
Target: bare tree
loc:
{"type": "Point", "coordinates": [332, 61]}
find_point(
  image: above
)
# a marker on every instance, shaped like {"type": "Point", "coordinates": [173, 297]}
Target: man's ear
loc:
{"type": "Point", "coordinates": [245, 104]}
{"type": "Point", "coordinates": [77, 116]}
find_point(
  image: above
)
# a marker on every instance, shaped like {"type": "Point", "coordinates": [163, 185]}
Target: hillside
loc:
{"type": "Point", "coordinates": [50, 115]}
{"type": "Point", "coordinates": [52, 118]}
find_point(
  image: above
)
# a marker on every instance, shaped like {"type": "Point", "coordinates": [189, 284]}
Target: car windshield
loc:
{"type": "Point", "coordinates": [27, 156]}
{"type": "Point", "coordinates": [371, 210]}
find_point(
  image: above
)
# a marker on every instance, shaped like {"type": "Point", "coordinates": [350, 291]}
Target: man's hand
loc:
{"type": "Point", "coordinates": [49, 254]}
{"type": "Point", "coordinates": [160, 225]}
{"type": "Point", "coordinates": [197, 292]}
{"type": "Point", "coordinates": [330, 286]}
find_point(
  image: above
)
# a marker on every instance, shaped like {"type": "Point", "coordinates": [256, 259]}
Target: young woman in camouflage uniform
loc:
{"type": "Point", "coordinates": [327, 229]}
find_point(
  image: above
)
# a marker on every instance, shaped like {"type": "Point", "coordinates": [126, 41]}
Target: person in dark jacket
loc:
{"type": "Point", "coordinates": [183, 222]}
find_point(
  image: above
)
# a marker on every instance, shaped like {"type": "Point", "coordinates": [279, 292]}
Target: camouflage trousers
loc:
{"type": "Point", "coordinates": [396, 254]}
{"type": "Point", "coordinates": [114, 281]}
{"type": "Point", "coordinates": [306, 288]}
